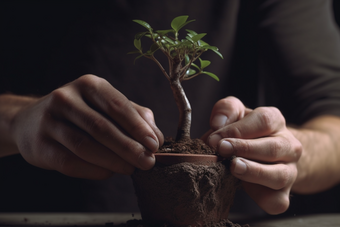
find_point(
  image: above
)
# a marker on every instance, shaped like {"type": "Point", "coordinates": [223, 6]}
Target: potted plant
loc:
{"type": "Point", "coordinates": [182, 189]}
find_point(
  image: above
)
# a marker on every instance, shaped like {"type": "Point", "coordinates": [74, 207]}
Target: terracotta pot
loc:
{"type": "Point", "coordinates": [184, 190]}
{"type": "Point", "coordinates": [174, 158]}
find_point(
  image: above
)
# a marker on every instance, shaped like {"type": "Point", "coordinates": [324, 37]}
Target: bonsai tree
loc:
{"type": "Point", "coordinates": [181, 56]}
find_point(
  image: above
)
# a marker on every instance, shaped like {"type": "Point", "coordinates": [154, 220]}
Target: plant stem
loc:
{"type": "Point", "coordinates": [183, 130]}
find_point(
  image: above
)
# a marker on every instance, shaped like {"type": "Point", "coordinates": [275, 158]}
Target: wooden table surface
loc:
{"type": "Point", "coordinates": [102, 219]}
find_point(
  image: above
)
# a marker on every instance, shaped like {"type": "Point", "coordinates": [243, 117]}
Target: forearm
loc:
{"type": "Point", "coordinates": [10, 105]}
{"type": "Point", "coordinates": [318, 166]}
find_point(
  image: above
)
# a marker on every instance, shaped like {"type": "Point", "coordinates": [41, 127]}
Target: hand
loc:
{"type": "Point", "coordinates": [266, 151]}
{"type": "Point", "coordinates": [87, 129]}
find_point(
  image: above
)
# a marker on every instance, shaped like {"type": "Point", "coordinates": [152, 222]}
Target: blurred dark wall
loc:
{"type": "Point", "coordinates": [336, 7]}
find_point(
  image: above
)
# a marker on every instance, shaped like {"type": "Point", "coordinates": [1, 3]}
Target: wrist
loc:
{"type": "Point", "coordinates": [319, 160]}
{"type": "Point", "coordinates": [10, 106]}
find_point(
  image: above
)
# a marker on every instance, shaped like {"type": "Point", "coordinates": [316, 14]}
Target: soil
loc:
{"type": "Point", "coordinates": [200, 194]}
{"type": "Point", "coordinates": [193, 146]}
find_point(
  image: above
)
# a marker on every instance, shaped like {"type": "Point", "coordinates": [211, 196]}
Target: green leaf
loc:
{"type": "Point", "coordinates": [137, 58]}
{"type": "Point", "coordinates": [144, 24]}
{"type": "Point", "coordinates": [191, 33]}
{"type": "Point", "coordinates": [184, 45]}
{"type": "Point", "coordinates": [198, 37]}
{"type": "Point", "coordinates": [134, 52]}
{"type": "Point", "coordinates": [164, 32]}
{"type": "Point", "coordinates": [185, 42]}
{"type": "Point", "coordinates": [140, 35]}
{"type": "Point", "coordinates": [154, 35]}
{"type": "Point", "coordinates": [177, 22]}
{"type": "Point", "coordinates": [187, 59]}
{"type": "Point", "coordinates": [138, 44]}
{"type": "Point", "coordinates": [213, 48]}
{"type": "Point", "coordinates": [148, 53]}
{"type": "Point", "coordinates": [190, 72]}
{"type": "Point", "coordinates": [189, 38]}
{"type": "Point", "coordinates": [185, 24]}
{"type": "Point", "coordinates": [168, 40]}
{"type": "Point", "coordinates": [211, 75]}
{"type": "Point", "coordinates": [154, 47]}
{"type": "Point", "coordinates": [202, 43]}
{"type": "Point", "coordinates": [196, 66]}
{"type": "Point", "coordinates": [204, 63]}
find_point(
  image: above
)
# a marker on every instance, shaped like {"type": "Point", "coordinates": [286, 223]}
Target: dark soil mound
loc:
{"type": "Point", "coordinates": [193, 146]}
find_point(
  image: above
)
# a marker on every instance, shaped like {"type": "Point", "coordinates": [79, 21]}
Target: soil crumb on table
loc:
{"type": "Point", "coordinates": [140, 223]}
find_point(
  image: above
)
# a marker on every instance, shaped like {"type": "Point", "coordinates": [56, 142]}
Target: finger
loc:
{"type": "Point", "coordinates": [271, 201]}
{"type": "Point", "coordinates": [59, 158]}
{"type": "Point", "coordinates": [226, 111]}
{"type": "Point", "coordinates": [75, 110]}
{"type": "Point", "coordinates": [267, 149]}
{"type": "Point", "coordinates": [263, 121]}
{"type": "Point", "coordinates": [113, 103]}
{"type": "Point", "coordinates": [148, 116]}
{"type": "Point", "coordinates": [88, 149]}
{"type": "Point", "coordinates": [274, 176]}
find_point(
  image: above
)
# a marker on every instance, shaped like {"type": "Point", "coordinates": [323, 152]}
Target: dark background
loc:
{"type": "Point", "coordinates": [43, 24]}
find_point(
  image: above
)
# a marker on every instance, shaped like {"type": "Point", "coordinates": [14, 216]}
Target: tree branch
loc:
{"type": "Point", "coordinates": [160, 66]}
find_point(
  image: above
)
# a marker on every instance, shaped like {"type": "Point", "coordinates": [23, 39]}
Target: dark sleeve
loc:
{"type": "Point", "coordinates": [300, 57]}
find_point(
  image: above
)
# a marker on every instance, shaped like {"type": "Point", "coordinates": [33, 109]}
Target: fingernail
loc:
{"type": "Point", "coordinates": [213, 140]}
{"type": "Point", "coordinates": [225, 148]}
{"type": "Point", "coordinates": [150, 144]}
{"type": "Point", "coordinates": [146, 160]}
{"type": "Point", "coordinates": [219, 121]}
{"type": "Point", "coordinates": [240, 167]}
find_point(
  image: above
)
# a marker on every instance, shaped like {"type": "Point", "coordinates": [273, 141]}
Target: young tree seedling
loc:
{"type": "Point", "coordinates": [181, 56]}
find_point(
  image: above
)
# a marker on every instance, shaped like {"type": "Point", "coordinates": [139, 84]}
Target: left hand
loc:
{"type": "Point", "coordinates": [266, 151]}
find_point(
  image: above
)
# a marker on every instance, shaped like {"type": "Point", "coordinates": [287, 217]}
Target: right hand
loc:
{"type": "Point", "coordinates": [87, 129]}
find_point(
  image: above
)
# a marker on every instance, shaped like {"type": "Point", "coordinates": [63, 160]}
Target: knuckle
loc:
{"type": "Point", "coordinates": [277, 149]}
{"type": "Point", "coordinates": [284, 178]}
{"type": "Point", "coordinates": [233, 132]}
{"type": "Point", "coordinates": [242, 148]}
{"type": "Point", "coordinates": [297, 146]}
{"type": "Point", "coordinates": [90, 80]}
{"type": "Point", "coordinates": [119, 104]}
{"type": "Point", "coordinates": [139, 128]}
{"type": "Point", "coordinates": [266, 117]}
{"type": "Point", "coordinates": [146, 113]}
{"type": "Point", "coordinates": [229, 102]}
{"type": "Point", "coordinates": [77, 144]}
{"type": "Point", "coordinates": [91, 83]}
{"type": "Point", "coordinates": [132, 147]}
{"type": "Point", "coordinates": [96, 125]}
{"type": "Point", "coordinates": [274, 151]}
{"type": "Point", "coordinates": [257, 172]}
{"type": "Point", "coordinates": [60, 96]}
{"type": "Point", "coordinates": [225, 103]}
{"type": "Point", "coordinates": [233, 100]}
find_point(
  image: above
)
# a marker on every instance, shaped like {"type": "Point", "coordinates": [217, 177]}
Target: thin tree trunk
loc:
{"type": "Point", "coordinates": [184, 124]}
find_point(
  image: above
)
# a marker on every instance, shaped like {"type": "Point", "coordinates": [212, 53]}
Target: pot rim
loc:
{"type": "Point", "coordinates": [176, 158]}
